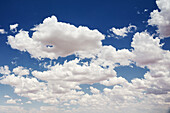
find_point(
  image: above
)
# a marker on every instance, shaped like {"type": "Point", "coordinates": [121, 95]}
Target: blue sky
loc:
{"type": "Point", "coordinates": [76, 56]}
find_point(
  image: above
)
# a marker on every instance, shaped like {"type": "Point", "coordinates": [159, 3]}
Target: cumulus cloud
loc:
{"type": "Point", "coordinates": [11, 101]}
{"type": "Point", "coordinates": [123, 31]}
{"type": "Point", "coordinates": [20, 71]}
{"type": "Point", "coordinates": [94, 90]}
{"type": "Point", "coordinates": [2, 31]}
{"type": "Point", "coordinates": [146, 49]}
{"type": "Point", "coordinates": [161, 18]}
{"type": "Point", "coordinates": [7, 96]}
{"type": "Point", "coordinates": [114, 81]}
{"type": "Point", "coordinates": [5, 70]}
{"type": "Point", "coordinates": [52, 39]}
{"type": "Point", "coordinates": [59, 85]}
{"type": "Point", "coordinates": [29, 102]}
{"type": "Point", "coordinates": [13, 27]}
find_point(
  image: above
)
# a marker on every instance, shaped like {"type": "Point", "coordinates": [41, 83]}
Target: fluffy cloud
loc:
{"type": "Point", "coordinates": [2, 31]}
{"type": "Point", "coordinates": [146, 49]}
{"type": "Point", "coordinates": [72, 72]}
{"type": "Point", "coordinates": [114, 81]}
{"type": "Point", "coordinates": [20, 71]}
{"type": "Point", "coordinates": [59, 85]}
{"type": "Point", "coordinates": [123, 31]}
{"type": "Point", "coordinates": [52, 39]}
{"type": "Point", "coordinates": [7, 96]}
{"type": "Point", "coordinates": [29, 102]}
{"type": "Point", "coordinates": [148, 52]}
{"type": "Point", "coordinates": [94, 90]}
{"type": "Point", "coordinates": [161, 18]}
{"type": "Point", "coordinates": [11, 101]}
{"type": "Point", "coordinates": [108, 56]}
{"type": "Point", "coordinates": [13, 27]}
{"type": "Point", "coordinates": [4, 70]}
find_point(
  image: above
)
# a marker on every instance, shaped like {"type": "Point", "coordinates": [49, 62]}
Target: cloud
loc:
{"type": "Point", "coordinates": [123, 31]}
{"type": "Point", "coordinates": [148, 52]}
{"type": "Point", "coordinates": [2, 31]}
{"type": "Point", "coordinates": [108, 56]}
{"type": "Point", "coordinates": [59, 85]}
{"type": "Point", "coordinates": [5, 70]}
{"type": "Point", "coordinates": [20, 71]}
{"type": "Point", "coordinates": [29, 102]}
{"type": "Point", "coordinates": [114, 81]}
{"type": "Point", "coordinates": [146, 49]}
{"type": "Point", "coordinates": [161, 18]}
{"type": "Point", "coordinates": [11, 101]}
{"type": "Point", "coordinates": [52, 39]}
{"type": "Point", "coordinates": [7, 96]}
{"type": "Point", "coordinates": [13, 27]}
{"type": "Point", "coordinates": [94, 90]}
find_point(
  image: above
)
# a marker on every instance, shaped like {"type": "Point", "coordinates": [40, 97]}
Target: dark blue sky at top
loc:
{"type": "Point", "coordinates": [95, 14]}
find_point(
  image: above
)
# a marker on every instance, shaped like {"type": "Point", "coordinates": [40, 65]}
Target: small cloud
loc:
{"type": "Point", "coordinates": [11, 101]}
{"type": "Point", "coordinates": [29, 102]}
{"type": "Point", "coordinates": [2, 31]}
{"type": "Point", "coordinates": [13, 27]}
{"type": "Point", "coordinates": [4, 70]}
{"type": "Point", "coordinates": [7, 96]}
{"type": "Point", "coordinates": [145, 10]}
{"type": "Point", "coordinates": [122, 31]}
{"type": "Point", "coordinates": [138, 12]}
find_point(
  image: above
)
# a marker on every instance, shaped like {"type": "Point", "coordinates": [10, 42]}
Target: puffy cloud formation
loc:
{"type": "Point", "coordinates": [52, 39]}
{"type": "Point", "coordinates": [29, 102]}
{"type": "Point", "coordinates": [20, 71]}
{"type": "Point", "coordinates": [60, 84]}
{"type": "Point", "coordinates": [7, 96]}
{"type": "Point", "coordinates": [123, 31]}
{"type": "Point", "coordinates": [2, 31]}
{"type": "Point", "coordinates": [144, 47]}
{"type": "Point", "coordinates": [4, 70]}
{"type": "Point", "coordinates": [161, 18]}
{"type": "Point", "coordinates": [13, 27]}
{"type": "Point", "coordinates": [13, 101]}
{"type": "Point", "coordinates": [94, 90]}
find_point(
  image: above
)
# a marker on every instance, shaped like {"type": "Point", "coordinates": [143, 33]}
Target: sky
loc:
{"type": "Point", "coordinates": [95, 56]}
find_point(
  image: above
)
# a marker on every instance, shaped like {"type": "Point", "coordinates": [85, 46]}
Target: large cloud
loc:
{"type": "Point", "coordinates": [161, 18]}
{"type": "Point", "coordinates": [60, 84]}
{"type": "Point", "coordinates": [52, 39]}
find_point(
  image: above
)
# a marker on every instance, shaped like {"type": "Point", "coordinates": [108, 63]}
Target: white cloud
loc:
{"type": "Point", "coordinates": [145, 10]}
{"type": "Point", "coordinates": [12, 109]}
{"type": "Point", "coordinates": [146, 49]}
{"type": "Point", "coordinates": [94, 90]}
{"type": "Point", "coordinates": [7, 96]}
{"type": "Point", "coordinates": [2, 31]}
{"type": "Point", "coordinates": [161, 18]}
{"type": "Point", "coordinates": [20, 71]}
{"type": "Point", "coordinates": [13, 27]}
{"type": "Point", "coordinates": [62, 81]}
{"type": "Point", "coordinates": [5, 70]}
{"type": "Point", "coordinates": [11, 101]}
{"type": "Point", "coordinates": [52, 39]}
{"type": "Point", "coordinates": [114, 81]}
{"type": "Point", "coordinates": [59, 84]}
{"type": "Point", "coordinates": [29, 102]}
{"type": "Point", "coordinates": [148, 52]}
{"type": "Point", "coordinates": [123, 31]}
